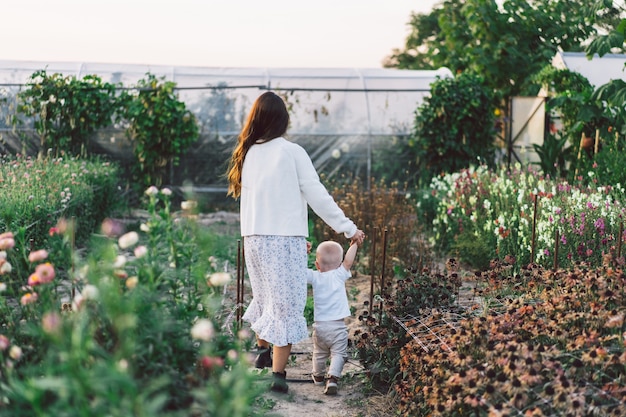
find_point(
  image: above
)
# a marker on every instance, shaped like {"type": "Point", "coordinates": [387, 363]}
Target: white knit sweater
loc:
{"type": "Point", "coordinates": [277, 181]}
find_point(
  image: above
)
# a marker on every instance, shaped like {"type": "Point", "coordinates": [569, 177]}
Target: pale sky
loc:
{"type": "Point", "coordinates": [208, 33]}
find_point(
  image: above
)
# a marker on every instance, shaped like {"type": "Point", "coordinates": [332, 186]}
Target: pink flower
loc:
{"type": "Point", "coordinates": [50, 322]}
{"type": "Point", "coordinates": [4, 342]}
{"type": "Point", "coordinates": [6, 241]}
{"type": "Point", "coordinates": [38, 255]}
{"type": "Point", "coordinates": [140, 251]}
{"type": "Point", "coordinates": [28, 298]}
{"type": "Point", "coordinates": [46, 272]}
{"type": "Point", "coordinates": [34, 279]}
{"type": "Point", "coordinates": [210, 362]}
{"type": "Point", "coordinates": [112, 228]}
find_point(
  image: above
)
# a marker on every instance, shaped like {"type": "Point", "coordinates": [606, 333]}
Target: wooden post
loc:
{"type": "Point", "coordinates": [532, 239]}
{"type": "Point", "coordinates": [372, 270]}
{"type": "Point", "coordinates": [619, 241]}
{"type": "Point", "coordinates": [556, 249]}
{"type": "Point", "coordinates": [580, 149]}
{"type": "Point", "coordinates": [596, 145]}
{"type": "Point", "coordinates": [382, 274]}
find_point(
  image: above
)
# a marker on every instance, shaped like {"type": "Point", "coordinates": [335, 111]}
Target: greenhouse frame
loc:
{"type": "Point", "coordinates": [341, 116]}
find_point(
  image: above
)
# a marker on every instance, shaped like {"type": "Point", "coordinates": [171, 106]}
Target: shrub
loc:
{"type": "Point", "coordinates": [454, 127]}
{"type": "Point", "coordinates": [67, 110]}
{"type": "Point", "coordinates": [161, 129]}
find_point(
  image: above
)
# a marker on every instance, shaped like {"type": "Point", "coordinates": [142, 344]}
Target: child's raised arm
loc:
{"type": "Point", "coordinates": [348, 260]}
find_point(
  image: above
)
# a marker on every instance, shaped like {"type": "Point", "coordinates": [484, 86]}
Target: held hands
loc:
{"type": "Point", "coordinates": [358, 237]}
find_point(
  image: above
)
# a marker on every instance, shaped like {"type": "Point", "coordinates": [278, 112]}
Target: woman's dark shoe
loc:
{"type": "Point", "coordinates": [264, 358]}
{"type": "Point", "coordinates": [279, 384]}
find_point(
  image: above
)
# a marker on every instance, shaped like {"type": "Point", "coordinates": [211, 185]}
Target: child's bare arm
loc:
{"type": "Point", "coordinates": [348, 260]}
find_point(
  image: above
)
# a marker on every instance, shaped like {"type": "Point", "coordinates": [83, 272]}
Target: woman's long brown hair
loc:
{"type": "Point", "coordinates": [268, 119]}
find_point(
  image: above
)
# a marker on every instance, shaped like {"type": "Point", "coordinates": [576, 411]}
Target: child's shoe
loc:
{"type": "Point", "coordinates": [264, 358]}
{"type": "Point", "coordinates": [318, 380]}
{"type": "Point", "coordinates": [279, 384]}
{"type": "Point", "coordinates": [331, 386]}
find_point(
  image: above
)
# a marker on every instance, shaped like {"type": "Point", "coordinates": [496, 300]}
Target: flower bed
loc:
{"type": "Point", "coordinates": [505, 210]}
{"type": "Point", "coordinates": [554, 344]}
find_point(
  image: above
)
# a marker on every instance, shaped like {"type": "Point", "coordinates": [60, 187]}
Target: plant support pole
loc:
{"type": "Point", "coordinates": [372, 271]}
{"type": "Point", "coordinates": [556, 249]}
{"type": "Point", "coordinates": [532, 239]}
{"type": "Point", "coordinates": [382, 274]}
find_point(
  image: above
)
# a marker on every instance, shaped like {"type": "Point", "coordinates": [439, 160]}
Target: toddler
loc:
{"type": "Point", "coordinates": [330, 302]}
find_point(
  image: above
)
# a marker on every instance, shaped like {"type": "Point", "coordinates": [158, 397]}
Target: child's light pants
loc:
{"type": "Point", "coordinates": [330, 339]}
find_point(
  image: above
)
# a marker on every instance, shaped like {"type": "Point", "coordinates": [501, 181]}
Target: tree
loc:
{"type": "Point", "coordinates": [505, 44]}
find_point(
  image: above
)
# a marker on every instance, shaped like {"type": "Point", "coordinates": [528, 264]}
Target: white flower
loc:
{"type": "Point", "coordinates": [15, 352]}
{"type": "Point", "coordinates": [128, 240]}
{"type": "Point", "coordinates": [120, 261]}
{"type": "Point", "coordinates": [3, 255]}
{"type": "Point", "coordinates": [336, 153]}
{"type": "Point", "coordinates": [152, 191]}
{"type": "Point", "coordinates": [219, 279]}
{"type": "Point", "coordinates": [3, 287]}
{"type": "Point", "coordinates": [203, 330]}
{"type": "Point", "coordinates": [166, 191]}
{"type": "Point", "coordinates": [144, 227]}
{"type": "Point", "coordinates": [90, 292]}
{"type": "Point", "coordinates": [5, 269]}
{"type": "Point", "coordinates": [189, 205]}
{"type": "Point", "coordinates": [122, 365]}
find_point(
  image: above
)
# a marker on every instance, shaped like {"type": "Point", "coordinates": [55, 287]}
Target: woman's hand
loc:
{"type": "Point", "coordinates": [358, 237]}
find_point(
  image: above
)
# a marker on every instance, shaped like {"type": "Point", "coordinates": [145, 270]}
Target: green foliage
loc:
{"type": "Point", "coordinates": [606, 166]}
{"type": "Point", "coordinates": [308, 311]}
{"type": "Point", "coordinates": [474, 249]}
{"type": "Point", "coordinates": [67, 110]}
{"type": "Point", "coordinates": [454, 127]}
{"type": "Point", "coordinates": [553, 155]}
{"type": "Point", "coordinates": [571, 96]}
{"type": "Point", "coordinates": [161, 129]}
{"type": "Point", "coordinates": [37, 194]}
{"type": "Point", "coordinates": [146, 333]}
{"type": "Point", "coordinates": [506, 42]}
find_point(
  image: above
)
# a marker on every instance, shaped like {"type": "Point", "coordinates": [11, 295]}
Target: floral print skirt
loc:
{"type": "Point", "coordinates": [277, 267]}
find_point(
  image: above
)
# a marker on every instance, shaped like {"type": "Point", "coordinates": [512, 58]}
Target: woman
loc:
{"type": "Point", "coordinates": [275, 180]}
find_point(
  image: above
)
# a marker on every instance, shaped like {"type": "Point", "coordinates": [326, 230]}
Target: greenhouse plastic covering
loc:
{"type": "Point", "coordinates": [339, 115]}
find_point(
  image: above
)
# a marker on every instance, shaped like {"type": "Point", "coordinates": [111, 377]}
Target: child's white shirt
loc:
{"type": "Point", "coordinates": [330, 300]}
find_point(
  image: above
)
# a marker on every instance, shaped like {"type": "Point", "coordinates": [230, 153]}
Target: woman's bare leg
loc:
{"type": "Point", "coordinates": [281, 357]}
